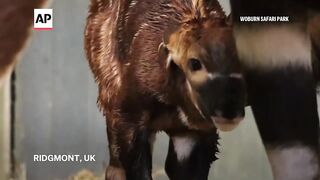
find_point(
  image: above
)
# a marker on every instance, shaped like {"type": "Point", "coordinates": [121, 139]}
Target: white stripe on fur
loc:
{"type": "Point", "coordinates": [293, 163]}
{"type": "Point", "coordinates": [183, 146]}
{"type": "Point", "coordinates": [273, 47]}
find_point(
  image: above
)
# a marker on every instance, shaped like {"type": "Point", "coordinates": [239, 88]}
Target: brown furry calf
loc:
{"type": "Point", "coordinates": [167, 65]}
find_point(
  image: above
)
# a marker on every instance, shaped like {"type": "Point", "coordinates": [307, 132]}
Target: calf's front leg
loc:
{"type": "Point", "coordinates": [190, 155]}
{"type": "Point", "coordinates": [129, 148]}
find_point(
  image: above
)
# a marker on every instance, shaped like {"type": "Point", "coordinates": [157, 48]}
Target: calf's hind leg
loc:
{"type": "Point", "coordinates": [190, 155]}
{"type": "Point", "coordinates": [130, 150]}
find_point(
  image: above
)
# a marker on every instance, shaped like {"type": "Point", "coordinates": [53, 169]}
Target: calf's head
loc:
{"type": "Point", "coordinates": [203, 50]}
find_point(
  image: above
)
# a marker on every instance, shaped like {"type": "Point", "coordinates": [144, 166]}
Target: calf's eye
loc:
{"type": "Point", "coordinates": [195, 64]}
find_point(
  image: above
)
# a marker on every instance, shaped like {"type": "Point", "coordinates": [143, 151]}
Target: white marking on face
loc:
{"type": "Point", "coordinates": [293, 163]}
{"type": "Point", "coordinates": [213, 76]}
{"type": "Point", "coordinates": [183, 117]}
{"type": "Point", "coordinates": [273, 47]}
{"type": "Point", "coordinates": [183, 147]}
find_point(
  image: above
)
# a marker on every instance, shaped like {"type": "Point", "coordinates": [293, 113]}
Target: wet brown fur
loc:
{"type": "Point", "coordinates": [123, 73]}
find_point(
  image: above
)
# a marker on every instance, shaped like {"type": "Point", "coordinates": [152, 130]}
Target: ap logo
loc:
{"type": "Point", "coordinates": [43, 19]}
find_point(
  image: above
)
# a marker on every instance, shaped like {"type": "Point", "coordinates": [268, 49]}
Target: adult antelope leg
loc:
{"type": "Point", "coordinates": [281, 87]}
{"type": "Point", "coordinates": [190, 155]}
{"type": "Point", "coordinates": [285, 109]}
{"type": "Point", "coordinates": [130, 149]}
{"type": "Point", "coordinates": [281, 91]}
